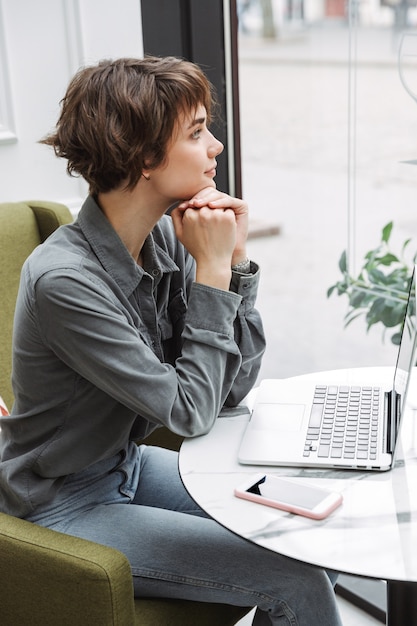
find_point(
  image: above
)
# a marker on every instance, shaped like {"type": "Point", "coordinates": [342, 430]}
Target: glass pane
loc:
{"type": "Point", "coordinates": [326, 126]}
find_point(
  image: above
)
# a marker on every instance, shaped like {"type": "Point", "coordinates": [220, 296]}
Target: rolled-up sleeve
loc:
{"type": "Point", "coordinates": [248, 333]}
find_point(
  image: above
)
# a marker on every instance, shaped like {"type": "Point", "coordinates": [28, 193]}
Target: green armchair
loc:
{"type": "Point", "coordinates": [48, 578]}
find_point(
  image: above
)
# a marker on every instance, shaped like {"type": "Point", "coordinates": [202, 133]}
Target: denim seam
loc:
{"type": "Point", "coordinates": [209, 584]}
{"type": "Point", "coordinates": [199, 582]}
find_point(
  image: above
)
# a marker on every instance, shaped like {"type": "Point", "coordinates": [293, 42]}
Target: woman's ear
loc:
{"type": "Point", "coordinates": [146, 172]}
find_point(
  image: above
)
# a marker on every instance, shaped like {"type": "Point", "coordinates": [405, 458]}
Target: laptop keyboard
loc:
{"type": "Point", "coordinates": [343, 423]}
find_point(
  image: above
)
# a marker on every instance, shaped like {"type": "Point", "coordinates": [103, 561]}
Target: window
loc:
{"type": "Point", "coordinates": [327, 133]}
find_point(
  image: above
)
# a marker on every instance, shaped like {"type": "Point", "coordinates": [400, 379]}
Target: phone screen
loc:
{"type": "Point", "coordinates": [289, 492]}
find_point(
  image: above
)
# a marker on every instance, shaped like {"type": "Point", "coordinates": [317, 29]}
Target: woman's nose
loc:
{"type": "Point", "coordinates": [216, 147]}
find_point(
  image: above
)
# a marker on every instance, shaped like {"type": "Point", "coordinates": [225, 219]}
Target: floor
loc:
{"type": "Point", "coordinates": [351, 616]}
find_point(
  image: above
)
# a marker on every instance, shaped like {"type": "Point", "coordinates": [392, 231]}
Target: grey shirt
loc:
{"type": "Point", "coordinates": [105, 351]}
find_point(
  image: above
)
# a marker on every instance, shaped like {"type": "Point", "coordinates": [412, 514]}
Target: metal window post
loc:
{"type": "Point", "coordinates": [205, 32]}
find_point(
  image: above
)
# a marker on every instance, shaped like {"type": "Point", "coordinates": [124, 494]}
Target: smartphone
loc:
{"type": "Point", "coordinates": [290, 495]}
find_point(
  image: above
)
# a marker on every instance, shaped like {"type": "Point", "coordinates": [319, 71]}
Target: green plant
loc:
{"type": "Point", "coordinates": [380, 290]}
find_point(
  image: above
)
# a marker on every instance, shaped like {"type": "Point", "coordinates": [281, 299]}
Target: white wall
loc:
{"type": "Point", "coordinates": [42, 44]}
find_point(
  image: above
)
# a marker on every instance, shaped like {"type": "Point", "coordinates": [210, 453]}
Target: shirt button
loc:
{"type": "Point", "coordinates": [155, 272]}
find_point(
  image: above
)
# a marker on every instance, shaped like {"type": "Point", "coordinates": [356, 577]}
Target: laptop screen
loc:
{"type": "Point", "coordinates": [406, 358]}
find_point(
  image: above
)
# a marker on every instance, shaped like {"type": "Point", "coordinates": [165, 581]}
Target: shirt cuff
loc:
{"type": "Point", "coordinates": [246, 285]}
{"type": "Point", "coordinates": [213, 309]}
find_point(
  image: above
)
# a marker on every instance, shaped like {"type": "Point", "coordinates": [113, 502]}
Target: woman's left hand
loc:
{"type": "Point", "coordinates": [215, 199]}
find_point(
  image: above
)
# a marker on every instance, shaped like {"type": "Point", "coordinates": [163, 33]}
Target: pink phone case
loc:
{"type": "Point", "coordinates": [331, 500]}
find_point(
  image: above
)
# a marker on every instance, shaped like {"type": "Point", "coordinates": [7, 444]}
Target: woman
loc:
{"type": "Point", "coordinates": [129, 319]}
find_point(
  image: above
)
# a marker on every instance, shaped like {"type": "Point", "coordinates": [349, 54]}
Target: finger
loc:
{"type": "Point", "coordinates": [229, 202]}
{"type": "Point", "coordinates": [183, 205]}
{"type": "Point", "coordinates": [206, 192]}
{"type": "Point", "coordinates": [207, 196]}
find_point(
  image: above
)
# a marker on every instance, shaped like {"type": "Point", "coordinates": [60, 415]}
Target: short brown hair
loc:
{"type": "Point", "coordinates": [117, 117]}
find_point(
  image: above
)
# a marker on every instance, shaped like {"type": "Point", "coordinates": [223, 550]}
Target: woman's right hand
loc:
{"type": "Point", "coordinates": [209, 235]}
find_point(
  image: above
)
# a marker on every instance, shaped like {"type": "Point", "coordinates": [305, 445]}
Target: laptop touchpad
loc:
{"type": "Point", "coordinates": [284, 417]}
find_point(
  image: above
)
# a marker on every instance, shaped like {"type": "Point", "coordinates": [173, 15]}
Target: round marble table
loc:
{"type": "Point", "coordinates": [373, 533]}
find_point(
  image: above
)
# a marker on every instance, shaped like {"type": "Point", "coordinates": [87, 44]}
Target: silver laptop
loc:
{"type": "Point", "coordinates": [352, 426]}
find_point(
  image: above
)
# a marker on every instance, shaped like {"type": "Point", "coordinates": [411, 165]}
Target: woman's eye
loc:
{"type": "Point", "coordinates": [196, 134]}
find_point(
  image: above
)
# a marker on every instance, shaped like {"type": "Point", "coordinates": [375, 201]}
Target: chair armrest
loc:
{"type": "Point", "coordinates": [48, 578]}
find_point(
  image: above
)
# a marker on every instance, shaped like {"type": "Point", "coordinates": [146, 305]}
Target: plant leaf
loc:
{"type": "Point", "coordinates": [386, 232]}
{"type": "Point", "coordinates": [387, 259]}
{"type": "Point", "coordinates": [396, 338]}
{"type": "Point", "coordinates": [405, 244]}
{"type": "Point", "coordinates": [380, 290]}
{"type": "Point", "coordinates": [343, 262]}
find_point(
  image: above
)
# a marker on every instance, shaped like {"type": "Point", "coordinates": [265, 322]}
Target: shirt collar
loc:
{"type": "Point", "coordinates": [113, 254]}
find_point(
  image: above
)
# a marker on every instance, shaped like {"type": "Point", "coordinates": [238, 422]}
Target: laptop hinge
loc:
{"type": "Point", "coordinates": [392, 412]}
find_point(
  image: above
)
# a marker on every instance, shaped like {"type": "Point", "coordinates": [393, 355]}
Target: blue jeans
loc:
{"type": "Point", "coordinates": [137, 503]}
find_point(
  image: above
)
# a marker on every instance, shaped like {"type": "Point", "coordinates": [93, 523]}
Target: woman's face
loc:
{"type": "Point", "coordinates": [190, 163]}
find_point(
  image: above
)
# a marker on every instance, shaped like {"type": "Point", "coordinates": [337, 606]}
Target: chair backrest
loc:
{"type": "Point", "coordinates": [23, 226]}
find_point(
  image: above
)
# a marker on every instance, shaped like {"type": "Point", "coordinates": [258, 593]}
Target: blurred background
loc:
{"type": "Point", "coordinates": [329, 147]}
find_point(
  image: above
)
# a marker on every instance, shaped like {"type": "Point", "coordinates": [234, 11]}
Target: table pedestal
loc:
{"type": "Point", "coordinates": [401, 604]}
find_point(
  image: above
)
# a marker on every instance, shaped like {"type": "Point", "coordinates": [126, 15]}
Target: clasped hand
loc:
{"type": "Point", "coordinates": [218, 227]}
{"type": "Point", "coordinates": [213, 226]}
